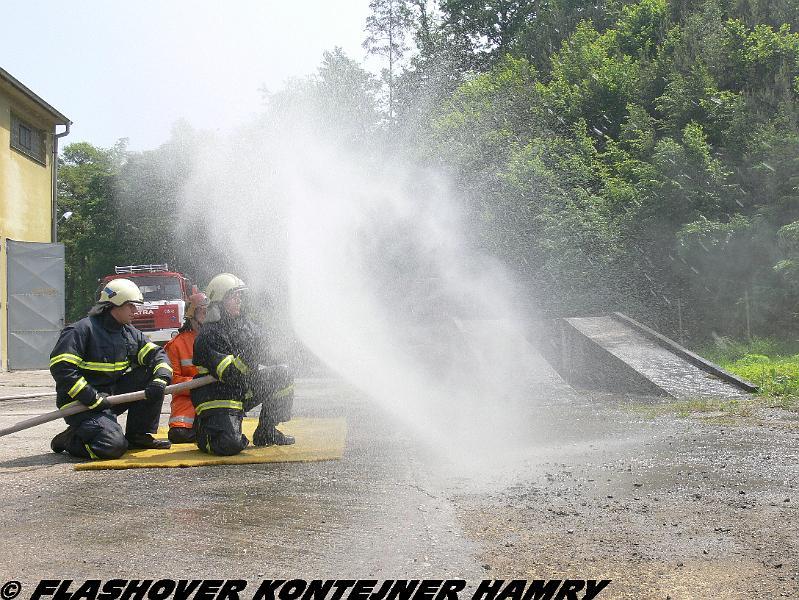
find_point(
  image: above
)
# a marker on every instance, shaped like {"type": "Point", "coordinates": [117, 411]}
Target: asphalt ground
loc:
{"type": "Point", "coordinates": [665, 505]}
{"type": "Point", "coordinates": [376, 512]}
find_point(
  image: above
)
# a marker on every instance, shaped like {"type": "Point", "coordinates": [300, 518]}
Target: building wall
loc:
{"type": "Point", "coordinates": [25, 194]}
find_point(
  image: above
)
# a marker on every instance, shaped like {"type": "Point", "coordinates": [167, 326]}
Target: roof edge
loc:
{"type": "Point", "coordinates": [16, 83]}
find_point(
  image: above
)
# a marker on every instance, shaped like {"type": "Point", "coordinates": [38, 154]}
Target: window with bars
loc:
{"type": "Point", "coordinates": [28, 139]}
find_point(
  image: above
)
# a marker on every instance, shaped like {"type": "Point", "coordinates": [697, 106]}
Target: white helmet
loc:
{"type": "Point", "coordinates": [119, 291]}
{"type": "Point", "coordinates": [221, 285]}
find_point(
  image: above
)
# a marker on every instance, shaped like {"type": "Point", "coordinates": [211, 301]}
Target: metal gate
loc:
{"type": "Point", "coordinates": [35, 302]}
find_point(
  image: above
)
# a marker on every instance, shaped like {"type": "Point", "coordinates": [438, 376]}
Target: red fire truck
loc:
{"type": "Point", "coordinates": [165, 296]}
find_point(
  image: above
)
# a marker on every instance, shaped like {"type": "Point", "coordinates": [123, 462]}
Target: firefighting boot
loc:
{"type": "Point", "coordinates": [60, 442]}
{"type": "Point", "coordinates": [145, 440]}
{"type": "Point", "coordinates": [181, 435]}
{"type": "Point", "coordinates": [266, 434]}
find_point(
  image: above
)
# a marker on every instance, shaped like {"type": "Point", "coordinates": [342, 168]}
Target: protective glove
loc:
{"type": "Point", "coordinates": [262, 380]}
{"type": "Point", "coordinates": [102, 402]}
{"type": "Point", "coordinates": [266, 379]}
{"type": "Point", "coordinates": [155, 390]}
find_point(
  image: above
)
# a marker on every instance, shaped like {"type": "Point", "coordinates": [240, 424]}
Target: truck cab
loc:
{"type": "Point", "coordinates": [165, 296]}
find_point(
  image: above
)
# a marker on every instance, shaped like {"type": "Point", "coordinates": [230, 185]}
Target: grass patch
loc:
{"type": "Point", "coordinates": [720, 408]}
{"type": "Point", "coordinates": [772, 365]}
{"type": "Point", "coordinates": [714, 410]}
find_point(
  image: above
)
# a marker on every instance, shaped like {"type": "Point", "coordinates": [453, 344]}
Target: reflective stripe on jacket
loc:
{"type": "Point", "coordinates": [230, 350]}
{"type": "Point", "coordinates": [93, 353]}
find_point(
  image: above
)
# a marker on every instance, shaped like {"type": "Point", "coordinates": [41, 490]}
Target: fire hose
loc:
{"type": "Point", "coordinates": [113, 400]}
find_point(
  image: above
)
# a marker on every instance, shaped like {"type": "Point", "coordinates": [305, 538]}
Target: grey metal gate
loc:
{"type": "Point", "coordinates": [35, 302]}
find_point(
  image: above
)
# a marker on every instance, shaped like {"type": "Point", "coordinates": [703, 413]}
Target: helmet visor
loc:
{"type": "Point", "coordinates": [240, 292]}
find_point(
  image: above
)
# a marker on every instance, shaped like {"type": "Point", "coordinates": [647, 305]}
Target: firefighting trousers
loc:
{"type": "Point", "coordinates": [275, 394]}
{"type": "Point", "coordinates": [218, 430]}
{"type": "Point", "coordinates": [182, 411]}
{"type": "Point", "coordinates": [99, 435]}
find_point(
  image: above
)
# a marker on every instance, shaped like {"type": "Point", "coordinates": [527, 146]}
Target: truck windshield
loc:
{"type": "Point", "coordinates": [159, 288]}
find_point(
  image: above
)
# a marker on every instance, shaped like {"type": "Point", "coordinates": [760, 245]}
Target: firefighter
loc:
{"type": "Point", "coordinates": [180, 350]}
{"type": "Point", "coordinates": [100, 355]}
{"type": "Point", "coordinates": [230, 348]}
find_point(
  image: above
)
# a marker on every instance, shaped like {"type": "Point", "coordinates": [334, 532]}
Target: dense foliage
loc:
{"type": "Point", "coordinates": [634, 156]}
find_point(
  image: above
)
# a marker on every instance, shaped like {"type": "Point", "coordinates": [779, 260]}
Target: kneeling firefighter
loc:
{"type": "Point", "coordinates": [101, 355]}
{"type": "Point", "coordinates": [180, 350]}
{"type": "Point", "coordinates": [230, 348]}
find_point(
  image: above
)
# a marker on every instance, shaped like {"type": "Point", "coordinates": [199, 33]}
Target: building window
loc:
{"type": "Point", "coordinates": [28, 140]}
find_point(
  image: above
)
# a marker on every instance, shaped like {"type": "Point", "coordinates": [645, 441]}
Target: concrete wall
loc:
{"type": "Point", "coordinates": [584, 363]}
{"type": "Point", "coordinates": [25, 191]}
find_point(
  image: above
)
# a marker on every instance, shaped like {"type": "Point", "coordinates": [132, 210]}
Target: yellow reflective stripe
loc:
{"type": "Point", "coordinates": [91, 454]}
{"type": "Point", "coordinates": [159, 379]}
{"type": "Point", "coordinates": [284, 392]}
{"type": "Point", "coordinates": [88, 365]}
{"type": "Point", "coordinates": [202, 370]}
{"type": "Point", "coordinates": [234, 404]}
{"type": "Point", "coordinates": [104, 367]}
{"type": "Point", "coordinates": [79, 385]}
{"type": "Point", "coordinates": [240, 365]}
{"type": "Point", "coordinates": [145, 350]}
{"type": "Point", "coordinates": [97, 402]}
{"type": "Point", "coordinates": [220, 368]}
{"type": "Point", "coordinates": [70, 358]}
{"type": "Point", "coordinates": [68, 404]}
{"type": "Point", "coordinates": [162, 365]}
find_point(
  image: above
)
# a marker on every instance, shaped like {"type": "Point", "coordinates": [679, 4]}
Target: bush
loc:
{"type": "Point", "coordinates": [770, 364]}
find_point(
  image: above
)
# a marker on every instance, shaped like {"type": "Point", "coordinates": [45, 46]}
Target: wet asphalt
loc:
{"type": "Point", "coordinates": [597, 486]}
{"type": "Point", "coordinates": [377, 512]}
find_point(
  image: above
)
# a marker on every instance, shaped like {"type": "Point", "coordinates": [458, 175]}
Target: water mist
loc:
{"type": "Point", "coordinates": [377, 277]}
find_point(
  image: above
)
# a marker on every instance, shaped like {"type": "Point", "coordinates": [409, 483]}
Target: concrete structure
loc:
{"type": "Point", "coordinates": [28, 172]}
{"type": "Point", "coordinates": [617, 354]}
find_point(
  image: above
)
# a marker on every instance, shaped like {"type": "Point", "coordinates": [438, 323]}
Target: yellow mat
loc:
{"type": "Point", "coordinates": [317, 439]}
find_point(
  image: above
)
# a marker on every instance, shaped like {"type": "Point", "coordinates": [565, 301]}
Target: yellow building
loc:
{"type": "Point", "coordinates": [29, 262]}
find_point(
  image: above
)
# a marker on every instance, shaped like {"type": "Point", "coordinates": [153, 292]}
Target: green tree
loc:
{"type": "Point", "coordinates": [489, 26]}
{"type": "Point", "coordinates": [387, 30]}
{"type": "Point", "coordinates": [592, 80]}
{"type": "Point", "coordinates": [341, 100]}
{"type": "Point", "coordinates": [86, 188]}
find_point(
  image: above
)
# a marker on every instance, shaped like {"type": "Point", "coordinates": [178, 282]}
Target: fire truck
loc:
{"type": "Point", "coordinates": [165, 296]}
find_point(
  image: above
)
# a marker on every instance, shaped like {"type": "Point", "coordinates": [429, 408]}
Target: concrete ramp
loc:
{"type": "Point", "coordinates": [616, 353]}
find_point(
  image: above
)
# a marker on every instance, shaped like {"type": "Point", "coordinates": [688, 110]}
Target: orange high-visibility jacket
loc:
{"type": "Point", "coordinates": [180, 350]}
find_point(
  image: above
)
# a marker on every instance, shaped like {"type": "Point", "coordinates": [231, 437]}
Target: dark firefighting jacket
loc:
{"type": "Point", "coordinates": [231, 350]}
{"type": "Point", "coordinates": [92, 354]}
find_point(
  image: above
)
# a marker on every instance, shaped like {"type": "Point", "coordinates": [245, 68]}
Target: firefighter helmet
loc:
{"type": "Point", "coordinates": [221, 285]}
{"type": "Point", "coordinates": [119, 291]}
{"type": "Point", "coordinates": [196, 301]}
